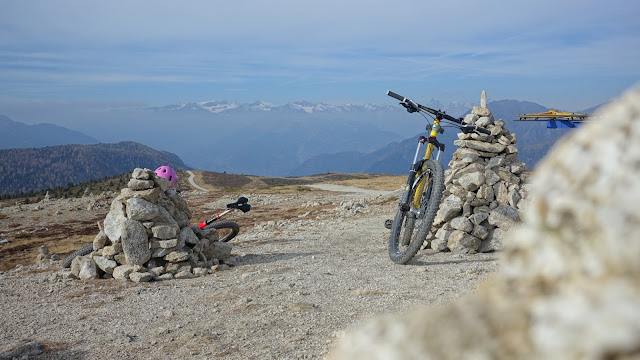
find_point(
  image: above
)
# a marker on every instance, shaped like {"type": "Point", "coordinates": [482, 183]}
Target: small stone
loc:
{"type": "Point", "coordinates": [105, 264]}
{"type": "Point", "coordinates": [178, 256]}
{"type": "Point", "coordinates": [141, 174]}
{"type": "Point", "coordinates": [165, 276]}
{"type": "Point", "coordinates": [122, 272]}
{"type": "Point", "coordinates": [184, 275]}
{"type": "Point", "coordinates": [135, 184]}
{"type": "Point", "coordinates": [140, 277]}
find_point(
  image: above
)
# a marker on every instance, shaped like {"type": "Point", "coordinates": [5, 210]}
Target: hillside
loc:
{"type": "Point", "coordinates": [15, 134]}
{"type": "Point", "coordinates": [31, 169]}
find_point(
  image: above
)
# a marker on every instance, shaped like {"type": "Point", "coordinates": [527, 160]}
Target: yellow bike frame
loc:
{"type": "Point", "coordinates": [435, 129]}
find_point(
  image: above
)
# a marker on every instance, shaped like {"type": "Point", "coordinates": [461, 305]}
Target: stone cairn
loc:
{"type": "Point", "coordinates": [146, 236]}
{"type": "Point", "coordinates": [483, 189]}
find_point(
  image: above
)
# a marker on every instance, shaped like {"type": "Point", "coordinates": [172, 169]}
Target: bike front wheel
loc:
{"type": "Point", "coordinates": [227, 229]}
{"type": "Point", "coordinates": [411, 227]}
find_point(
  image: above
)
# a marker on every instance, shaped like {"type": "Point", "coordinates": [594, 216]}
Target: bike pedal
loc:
{"type": "Point", "coordinates": [388, 223]}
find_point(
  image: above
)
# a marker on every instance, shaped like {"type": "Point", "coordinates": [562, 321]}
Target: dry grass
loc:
{"type": "Point", "coordinates": [379, 182]}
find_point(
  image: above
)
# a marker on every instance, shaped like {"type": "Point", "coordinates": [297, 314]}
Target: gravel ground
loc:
{"type": "Point", "coordinates": [296, 286]}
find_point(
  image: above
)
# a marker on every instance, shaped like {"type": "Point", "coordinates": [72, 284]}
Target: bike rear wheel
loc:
{"type": "Point", "coordinates": [227, 229]}
{"type": "Point", "coordinates": [66, 262]}
{"type": "Point", "coordinates": [410, 229]}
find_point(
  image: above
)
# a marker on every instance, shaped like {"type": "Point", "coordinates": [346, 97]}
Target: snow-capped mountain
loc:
{"type": "Point", "coordinates": [216, 107]}
{"type": "Point", "coordinates": [293, 107]}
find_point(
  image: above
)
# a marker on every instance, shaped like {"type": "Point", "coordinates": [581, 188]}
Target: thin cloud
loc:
{"type": "Point", "coordinates": [272, 44]}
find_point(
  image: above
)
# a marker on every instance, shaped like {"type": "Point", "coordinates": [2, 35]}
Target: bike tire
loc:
{"type": "Point", "coordinates": [233, 228]}
{"type": "Point", "coordinates": [405, 231]}
{"type": "Point", "coordinates": [66, 262]}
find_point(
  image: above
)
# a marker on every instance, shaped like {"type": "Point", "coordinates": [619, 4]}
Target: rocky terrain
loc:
{"type": "Point", "coordinates": [309, 263]}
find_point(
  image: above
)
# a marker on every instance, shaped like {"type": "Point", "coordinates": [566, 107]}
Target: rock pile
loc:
{"type": "Point", "coordinates": [147, 236]}
{"type": "Point", "coordinates": [483, 188]}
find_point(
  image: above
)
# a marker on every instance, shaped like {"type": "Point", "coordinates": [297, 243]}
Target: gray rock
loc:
{"type": "Point", "coordinates": [164, 244]}
{"type": "Point", "coordinates": [141, 174]}
{"type": "Point", "coordinates": [495, 162]}
{"type": "Point", "coordinates": [135, 184]}
{"type": "Point", "coordinates": [471, 118]}
{"type": "Point", "coordinates": [461, 242]}
{"type": "Point", "coordinates": [150, 195]}
{"type": "Point", "coordinates": [110, 251]}
{"type": "Point", "coordinates": [105, 264]}
{"type": "Point", "coordinates": [494, 241]}
{"type": "Point", "coordinates": [480, 232]}
{"type": "Point", "coordinates": [182, 218]}
{"type": "Point", "coordinates": [143, 210]}
{"type": "Point", "coordinates": [184, 275]}
{"type": "Point", "coordinates": [479, 217]}
{"type": "Point", "coordinates": [20, 349]}
{"type": "Point", "coordinates": [165, 276]}
{"type": "Point", "coordinates": [199, 271]}
{"type": "Point", "coordinates": [480, 145]}
{"type": "Point", "coordinates": [507, 176]}
{"type": "Point", "coordinates": [160, 252]}
{"type": "Point", "coordinates": [461, 223]}
{"type": "Point", "coordinates": [484, 121]}
{"type": "Point", "coordinates": [122, 272]}
{"type": "Point", "coordinates": [449, 208]}
{"type": "Point", "coordinates": [165, 231]}
{"type": "Point", "coordinates": [504, 216]}
{"type": "Point", "coordinates": [439, 243]}
{"type": "Point", "coordinates": [140, 277]}
{"type": "Point", "coordinates": [210, 234]}
{"type": "Point", "coordinates": [162, 183]}
{"type": "Point", "coordinates": [480, 111]}
{"type": "Point", "coordinates": [485, 192]}
{"type": "Point", "coordinates": [88, 269]}
{"type": "Point", "coordinates": [491, 177]}
{"type": "Point", "coordinates": [157, 271]}
{"type": "Point", "coordinates": [178, 256]}
{"type": "Point", "coordinates": [518, 167]}
{"type": "Point", "coordinates": [188, 236]}
{"type": "Point", "coordinates": [135, 243]}
{"type": "Point", "coordinates": [114, 220]}
{"type": "Point", "coordinates": [100, 240]}
{"type": "Point", "coordinates": [501, 193]}
{"type": "Point", "coordinates": [219, 250]}
{"type": "Point", "coordinates": [177, 267]}
{"type": "Point", "coordinates": [514, 198]}
{"type": "Point", "coordinates": [472, 181]}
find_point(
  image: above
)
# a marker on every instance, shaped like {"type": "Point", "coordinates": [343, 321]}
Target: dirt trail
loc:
{"type": "Point", "coordinates": [193, 183]}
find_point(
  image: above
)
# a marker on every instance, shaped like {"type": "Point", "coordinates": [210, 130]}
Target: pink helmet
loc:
{"type": "Point", "coordinates": [167, 173]}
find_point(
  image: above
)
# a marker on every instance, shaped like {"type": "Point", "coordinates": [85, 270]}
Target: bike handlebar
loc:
{"type": "Point", "coordinates": [394, 95]}
{"type": "Point", "coordinates": [413, 106]}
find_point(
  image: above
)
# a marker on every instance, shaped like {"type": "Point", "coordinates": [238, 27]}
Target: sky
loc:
{"type": "Point", "coordinates": [567, 54]}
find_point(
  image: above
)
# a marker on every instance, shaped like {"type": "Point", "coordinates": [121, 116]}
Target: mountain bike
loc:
{"type": "Point", "coordinates": [227, 229]}
{"type": "Point", "coordinates": [422, 193]}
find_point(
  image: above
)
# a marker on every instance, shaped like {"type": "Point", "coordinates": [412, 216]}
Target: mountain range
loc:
{"type": "Point", "coordinates": [216, 107]}
{"type": "Point", "coordinates": [299, 138]}
{"type": "Point", "coordinates": [534, 140]}
{"type": "Point", "coordinates": [14, 134]}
